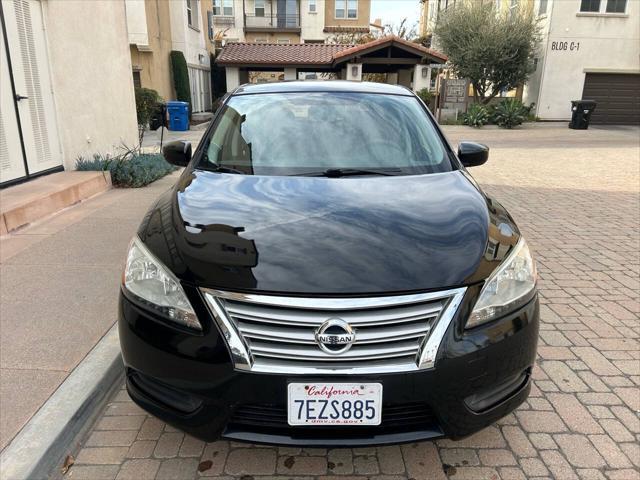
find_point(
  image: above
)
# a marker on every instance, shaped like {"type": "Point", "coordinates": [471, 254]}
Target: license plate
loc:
{"type": "Point", "coordinates": [335, 403]}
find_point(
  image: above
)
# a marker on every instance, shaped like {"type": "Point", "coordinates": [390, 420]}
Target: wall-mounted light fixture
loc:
{"type": "Point", "coordinates": [354, 70]}
{"type": "Point", "coordinates": [425, 72]}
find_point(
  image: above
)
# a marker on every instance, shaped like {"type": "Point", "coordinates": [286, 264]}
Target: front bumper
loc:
{"type": "Point", "coordinates": [188, 381]}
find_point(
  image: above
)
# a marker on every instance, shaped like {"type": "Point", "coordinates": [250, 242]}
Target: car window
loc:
{"type": "Point", "coordinates": [306, 132]}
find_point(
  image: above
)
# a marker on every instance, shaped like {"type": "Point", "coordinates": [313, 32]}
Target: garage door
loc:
{"type": "Point", "coordinates": [617, 96]}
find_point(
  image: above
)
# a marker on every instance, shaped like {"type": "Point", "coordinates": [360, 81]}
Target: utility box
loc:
{"type": "Point", "coordinates": [178, 115]}
{"type": "Point", "coordinates": [581, 111]}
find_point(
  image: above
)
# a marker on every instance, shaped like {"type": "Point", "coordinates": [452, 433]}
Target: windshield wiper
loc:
{"type": "Point", "coordinates": [221, 169]}
{"type": "Point", "coordinates": [349, 172]}
{"type": "Point", "coordinates": [215, 167]}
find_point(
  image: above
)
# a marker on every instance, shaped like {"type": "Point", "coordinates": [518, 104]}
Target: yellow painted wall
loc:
{"type": "Point", "coordinates": [155, 68]}
{"type": "Point", "coordinates": [364, 14]}
{"type": "Point", "coordinates": [205, 7]}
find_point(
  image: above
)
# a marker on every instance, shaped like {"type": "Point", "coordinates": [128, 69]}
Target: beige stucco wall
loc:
{"type": "Point", "coordinates": [312, 23]}
{"type": "Point", "coordinates": [205, 7]}
{"type": "Point", "coordinates": [273, 37]}
{"type": "Point", "coordinates": [91, 76]}
{"type": "Point", "coordinates": [154, 66]}
{"type": "Point", "coordinates": [574, 44]}
{"type": "Point", "coordinates": [189, 40]}
{"type": "Point", "coordinates": [364, 12]}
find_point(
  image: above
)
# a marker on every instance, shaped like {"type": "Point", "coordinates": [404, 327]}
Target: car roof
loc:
{"type": "Point", "coordinates": [321, 86]}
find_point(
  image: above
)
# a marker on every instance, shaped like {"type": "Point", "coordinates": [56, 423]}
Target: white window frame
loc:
{"type": "Point", "coordinates": [542, 13]}
{"type": "Point", "coordinates": [626, 4]}
{"type": "Point", "coordinates": [602, 10]}
{"type": "Point", "coordinates": [192, 13]}
{"type": "Point", "coordinates": [256, 7]}
{"type": "Point", "coordinates": [221, 6]}
{"type": "Point", "coordinates": [345, 8]}
{"type": "Point", "coordinates": [261, 40]}
{"type": "Point", "coordinates": [600, 2]}
{"type": "Point", "coordinates": [284, 41]}
{"type": "Point", "coordinates": [313, 6]}
{"type": "Point", "coordinates": [355, 17]}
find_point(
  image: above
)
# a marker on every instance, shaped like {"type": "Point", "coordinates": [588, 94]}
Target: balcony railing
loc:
{"type": "Point", "coordinates": [224, 20]}
{"type": "Point", "coordinates": [272, 22]}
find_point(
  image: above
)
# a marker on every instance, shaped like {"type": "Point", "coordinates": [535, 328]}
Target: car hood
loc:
{"type": "Point", "coordinates": [320, 235]}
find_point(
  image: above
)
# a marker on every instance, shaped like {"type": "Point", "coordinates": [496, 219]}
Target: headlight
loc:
{"type": "Point", "coordinates": [157, 288]}
{"type": "Point", "coordinates": [507, 287]}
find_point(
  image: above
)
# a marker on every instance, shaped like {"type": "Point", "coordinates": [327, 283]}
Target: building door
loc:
{"type": "Point", "coordinates": [617, 96]}
{"type": "Point", "coordinates": [32, 143]}
{"type": "Point", "coordinates": [11, 159]}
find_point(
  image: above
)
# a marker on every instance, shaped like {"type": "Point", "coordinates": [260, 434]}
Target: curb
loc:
{"type": "Point", "coordinates": [57, 428]}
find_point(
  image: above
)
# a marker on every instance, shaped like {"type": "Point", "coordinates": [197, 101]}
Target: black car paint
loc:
{"type": "Point", "coordinates": [269, 234]}
{"type": "Point", "coordinates": [325, 236]}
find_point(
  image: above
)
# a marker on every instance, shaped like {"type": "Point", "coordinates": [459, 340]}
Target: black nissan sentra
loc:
{"type": "Point", "coordinates": [326, 272]}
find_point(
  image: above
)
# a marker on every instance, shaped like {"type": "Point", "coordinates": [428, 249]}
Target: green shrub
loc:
{"type": "Point", "coordinates": [128, 170]}
{"type": "Point", "coordinates": [476, 116]}
{"type": "Point", "coordinates": [509, 113]}
{"type": "Point", "coordinates": [147, 101]}
{"type": "Point", "coordinates": [426, 96]}
{"type": "Point", "coordinates": [181, 77]}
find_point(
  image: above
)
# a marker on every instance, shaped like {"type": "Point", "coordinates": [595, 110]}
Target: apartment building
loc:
{"type": "Point", "coordinates": [590, 49]}
{"type": "Point", "coordinates": [287, 21]}
{"type": "Point", "coordinates": [155, 28]}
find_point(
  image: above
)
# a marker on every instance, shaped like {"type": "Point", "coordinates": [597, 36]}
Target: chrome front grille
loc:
{"type": "Point", "coordinates": [278, 334]}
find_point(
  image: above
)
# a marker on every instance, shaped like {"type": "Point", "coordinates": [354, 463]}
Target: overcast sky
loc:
{"type": "Point", "coordinates": [393, 11]}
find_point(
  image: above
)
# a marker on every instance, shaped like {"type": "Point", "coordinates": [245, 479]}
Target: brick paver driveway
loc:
{"type": "Point", "coordinates": [575, 196]}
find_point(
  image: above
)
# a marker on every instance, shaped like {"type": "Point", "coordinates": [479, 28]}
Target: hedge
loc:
{"type": "Point", "coordinates": [181, 77]}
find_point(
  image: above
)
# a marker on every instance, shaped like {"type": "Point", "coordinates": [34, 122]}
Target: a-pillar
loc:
{"type": "Point", "coordinates": [421, 77]}
{"type": "Point", "coordinates": [290, 74]}
{"type": "Point", "coordinates": [354, 72]}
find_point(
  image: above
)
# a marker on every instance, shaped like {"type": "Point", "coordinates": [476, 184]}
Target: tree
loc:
{"type": "Point", "coordinates": [181, 77]}
{"type": "Point", "coordinates": [494, 51]}
{"type": "Point", "coordinates": [147, 104]}
{"type": "Point", "coordinates": [403, 30]}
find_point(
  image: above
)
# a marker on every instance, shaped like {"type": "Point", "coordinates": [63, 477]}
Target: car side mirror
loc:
{"type": "Point", "coordinates": [472, 154]}
{"type": "Point", "coordinates": [177, 153]}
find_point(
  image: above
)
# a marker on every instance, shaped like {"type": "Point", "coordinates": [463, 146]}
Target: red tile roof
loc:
{"type": "Point", "coordinates": [321, 54]}
{"type": "Point", "coordinates": [279, 54]}
{"type": "Point", "coordinates": [390, 40]}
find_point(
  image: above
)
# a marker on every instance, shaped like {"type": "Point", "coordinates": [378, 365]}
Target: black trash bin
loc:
{"type": "Point", "coordinates": [581, 111]}
{"type": "Point", "coordinates": [159, 117]}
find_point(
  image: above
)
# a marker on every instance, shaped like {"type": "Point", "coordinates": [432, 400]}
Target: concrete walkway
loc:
{"type": "Point", "coordinates": [60, 280]}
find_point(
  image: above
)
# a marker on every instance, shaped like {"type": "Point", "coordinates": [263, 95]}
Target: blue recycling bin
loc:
{"type": "Point", "coordinates": [178, 115]}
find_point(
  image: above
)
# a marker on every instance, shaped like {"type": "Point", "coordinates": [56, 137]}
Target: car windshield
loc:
{"type": "Point", "coordinates": [324, 133]}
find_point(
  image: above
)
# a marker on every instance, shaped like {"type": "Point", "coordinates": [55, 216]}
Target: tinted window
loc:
{"type": "Point", "coordinates": [307, 132]}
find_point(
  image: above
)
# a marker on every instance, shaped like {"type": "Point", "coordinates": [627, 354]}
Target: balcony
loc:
{"type": "Point", "coordinates": [272, 23]}
{"type": "Point", "coordinates": [224, 20]}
